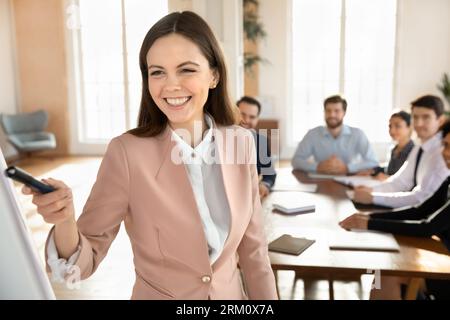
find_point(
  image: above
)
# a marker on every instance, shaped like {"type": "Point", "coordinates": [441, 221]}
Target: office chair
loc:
{"type": "Point", "coordinates": [26, 131]}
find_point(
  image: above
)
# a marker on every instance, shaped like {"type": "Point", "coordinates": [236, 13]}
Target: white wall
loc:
{"type": "Point", "coordinates": [274, 76]}
{"type": "Point", "coordinates": [423, 48]}
{"type": "Point", "coordinates": [8, 83]}
{"type": "Point", "coordinates": [7, 62]}
{"type": "Point", "coordinates": [422, 55]}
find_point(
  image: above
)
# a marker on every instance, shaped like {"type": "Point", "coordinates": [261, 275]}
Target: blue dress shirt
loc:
{"type": "Point", "coordinates": [351, 146]}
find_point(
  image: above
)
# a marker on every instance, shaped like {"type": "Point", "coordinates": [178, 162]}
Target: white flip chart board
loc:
{"type": "Point", "coordinates": [22, 273]}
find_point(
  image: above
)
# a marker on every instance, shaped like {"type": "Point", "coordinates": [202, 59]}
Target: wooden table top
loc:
{"type": "Point", "coordinates": [418, 257]}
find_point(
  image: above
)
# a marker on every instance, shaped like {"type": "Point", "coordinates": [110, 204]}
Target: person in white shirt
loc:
{"type": "Point", "coordinates": [424, 170]}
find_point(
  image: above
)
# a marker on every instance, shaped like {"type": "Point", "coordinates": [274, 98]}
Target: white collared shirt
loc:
{"type": "Point", "coordinates": [396, 191]}
{"type": "Point", "coordinates": [209, 190]}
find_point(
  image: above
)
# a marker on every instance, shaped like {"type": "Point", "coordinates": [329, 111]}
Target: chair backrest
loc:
{"type": "Point", "coordinates": [26, 122]}
{"type": "Point", "coordinates": [273, 137]}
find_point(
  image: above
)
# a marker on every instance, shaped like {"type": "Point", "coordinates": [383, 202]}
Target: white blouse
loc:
{"type": "Point", "coordinates": [208, 187]}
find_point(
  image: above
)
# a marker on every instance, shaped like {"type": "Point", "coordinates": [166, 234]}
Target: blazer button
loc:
{"type": "Point", "coordinates": [206, 279]}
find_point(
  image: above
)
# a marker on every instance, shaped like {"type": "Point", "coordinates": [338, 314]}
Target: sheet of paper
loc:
{"type": "Point", "coordinates": [313, 175]}
{"type": "Point", "coordinates": [355, 181]}
{"type": "Point", "coordinates": [363, 240]}
{"type": "Point", "coordinates": [301, 187]}
{"type": "Point", "coordinates": [286, 181]}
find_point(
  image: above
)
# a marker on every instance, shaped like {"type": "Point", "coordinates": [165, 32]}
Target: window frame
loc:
{"type": "Point", "coordinates": [291, 143]}
{"type": "Point", "coordinates": [78, 142]}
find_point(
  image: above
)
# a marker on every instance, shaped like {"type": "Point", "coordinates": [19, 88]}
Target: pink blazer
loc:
{"type": "Point", "coordinates": [139, 184]}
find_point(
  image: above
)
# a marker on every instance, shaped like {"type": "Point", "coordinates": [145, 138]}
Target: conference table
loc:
{"type": "Point", "coordinates": [417, 258]}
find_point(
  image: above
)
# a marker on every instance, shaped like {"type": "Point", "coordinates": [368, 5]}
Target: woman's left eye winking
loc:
{"type": "Point", "coordinates": [156, 73]}
{"type": "Point", "coordinates": [187, 70]}
{"type": "Point", "coordinates": [160, 73]}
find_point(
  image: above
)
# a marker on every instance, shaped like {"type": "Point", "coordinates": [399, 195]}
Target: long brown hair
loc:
{"type": "Point", "coordinates": [152, 121]}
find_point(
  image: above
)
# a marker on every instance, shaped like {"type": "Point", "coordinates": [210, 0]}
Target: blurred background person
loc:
{"type": "Point", "coordinates": [250, 109]}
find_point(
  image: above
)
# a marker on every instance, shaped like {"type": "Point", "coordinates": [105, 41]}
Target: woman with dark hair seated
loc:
{"type": "Point", "coordinates": [400, 131]}
{"type": "Point", "coordinates": [430, 218]}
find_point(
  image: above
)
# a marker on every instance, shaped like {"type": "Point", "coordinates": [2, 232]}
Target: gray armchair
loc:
{"type": "Point", "coordinates": [26, 131]}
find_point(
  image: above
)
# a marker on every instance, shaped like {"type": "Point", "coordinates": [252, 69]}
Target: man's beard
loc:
{"type": "Point", "coordinates": [334, 125]}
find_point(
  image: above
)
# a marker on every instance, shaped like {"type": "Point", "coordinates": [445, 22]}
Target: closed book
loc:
{"type": "Point", "coordinates": [293, 204]}
{"type": "Point", "coordinates": [289, 244]}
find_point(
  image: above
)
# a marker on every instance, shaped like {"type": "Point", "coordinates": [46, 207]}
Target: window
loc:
{"type": "Point", "coordinates": [107, 61]}
{"type": "Point", "coordinates": [347, 47]}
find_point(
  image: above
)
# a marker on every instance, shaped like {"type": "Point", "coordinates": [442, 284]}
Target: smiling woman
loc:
{"type": "Point", "coordinates": [195, 62]}
{"type": "Point", "coordinates": [189, 222]}
{"type": "Point", "coordinates": [180, 88]}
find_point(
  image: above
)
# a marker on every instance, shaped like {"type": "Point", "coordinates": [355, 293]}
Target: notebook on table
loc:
{"type": "Point", "coordinates": [293, 204]}
{"type": "Point", "coordinates": [363, 240]}
{"type": "Point", "coordinates": [290, 245]}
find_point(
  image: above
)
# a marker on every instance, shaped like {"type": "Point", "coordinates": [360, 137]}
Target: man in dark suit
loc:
{"type": "Point", "coordinates": [250, 109]}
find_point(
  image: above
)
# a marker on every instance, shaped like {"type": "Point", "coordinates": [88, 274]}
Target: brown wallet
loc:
{"type": "Point", "coordinates": [289, 244]}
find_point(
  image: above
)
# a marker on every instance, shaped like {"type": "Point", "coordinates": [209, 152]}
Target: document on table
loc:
{"type": "Point", "coordinates": [286, 181]}
{"type": "Point", "coordinates": [313, 175]}
{"type": "Point", "coordinates": [363, 240]}
{"type": "Point", "coordinates": [300, 187]}
{"type": "Point", "coordinates": [355, 181]}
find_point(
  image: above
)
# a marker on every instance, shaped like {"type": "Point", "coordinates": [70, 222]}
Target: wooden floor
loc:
{"type": "Point", "coordinates": [115, 277]}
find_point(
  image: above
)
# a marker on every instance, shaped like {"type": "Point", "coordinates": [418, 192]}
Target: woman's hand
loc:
{"type": "Point", "coordinates": [55, 207]}
{"type": "Point", "coordinates": [355, 221]}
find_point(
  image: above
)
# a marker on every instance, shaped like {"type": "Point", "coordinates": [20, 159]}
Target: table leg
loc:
{"type": "Point", "coordinates": [275, 273]}
{"type": "Point", "coordinates": [331, 288]}
{"type": "Point", "coordinates": [413, 288]}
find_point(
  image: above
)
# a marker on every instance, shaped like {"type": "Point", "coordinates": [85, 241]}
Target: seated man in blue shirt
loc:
{"type": "Point", "coordinates": [250, 109]}
{"type": "Point", "coordinates": [337, 148]}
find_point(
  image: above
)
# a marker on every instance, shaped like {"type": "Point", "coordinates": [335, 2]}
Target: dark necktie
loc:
{"type": "Point", "coordinates": [448, 192]}
{"type": "Point", "coordinates": [419, 155]}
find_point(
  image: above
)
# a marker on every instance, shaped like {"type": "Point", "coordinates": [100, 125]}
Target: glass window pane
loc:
{"type": "Point", "coordinates": [102, 63]}
{"type": "Point", "coordinates": [102, 69]}
{"type": "Point", "coordinates": [369, 65]}
{"type": "Point", "coordinates": [140, 15]}
{"type": "Point", "coordinates": [315, 60]}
